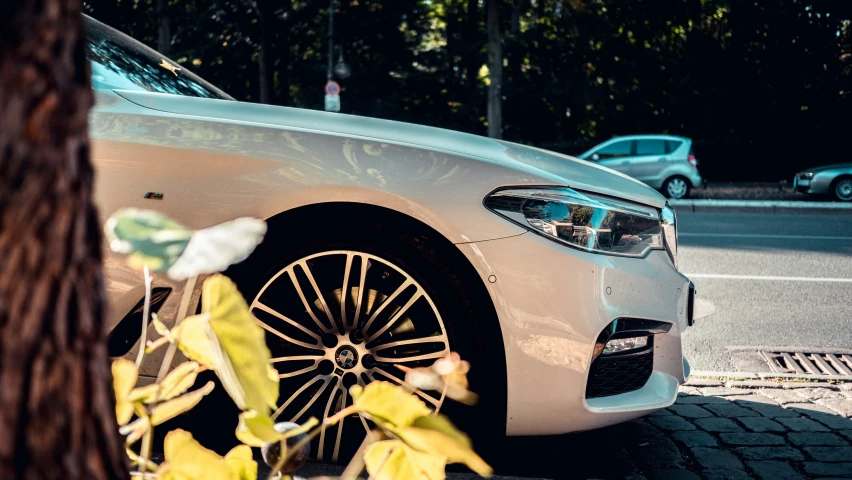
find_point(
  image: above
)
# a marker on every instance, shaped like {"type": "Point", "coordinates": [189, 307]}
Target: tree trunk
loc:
{"type": "Point", "coordinates": [495, 71]}
{"type": "Point", "coordinates": [472, 45]}
{"type": "Point", "coordinates": [164, 35]}
{"type": "Point", "coordinates": [57, 413]}
{"type": "Point", "coordinates": [451, 16]}
{"type": "Point", "coordinates": [266, 80]}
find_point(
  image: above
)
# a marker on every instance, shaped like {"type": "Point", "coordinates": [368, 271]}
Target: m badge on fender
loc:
{"type": "Point", "coordinates": [154, 196]}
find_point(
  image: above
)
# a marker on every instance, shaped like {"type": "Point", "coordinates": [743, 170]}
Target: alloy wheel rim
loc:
{"type": "Point", "coordinates": [323, 341]}
{"type": "Point", "coordinates": [677, 188]}
{"type": "Point", "coordinates": [844, 189]}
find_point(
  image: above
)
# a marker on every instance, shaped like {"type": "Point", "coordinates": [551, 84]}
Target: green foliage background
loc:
{"type": "Point", "coordinates": [764, 87]}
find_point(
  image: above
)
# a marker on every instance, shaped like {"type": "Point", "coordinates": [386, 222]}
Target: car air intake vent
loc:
{"type": "Point", "coordinates": [804, 363]}
{"type": "Point", "coordinates": [615, 374]}
{"type": "Point", "coordinates": [127, 332]}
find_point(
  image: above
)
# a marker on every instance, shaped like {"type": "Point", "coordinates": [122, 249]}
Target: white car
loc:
{"type": "Point", "coordinates": [665, 162]}
{"type": "Point", "coordinates": [393, 244]}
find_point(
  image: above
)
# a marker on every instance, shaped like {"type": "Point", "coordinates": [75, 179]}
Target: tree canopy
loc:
{"type": "Point", "coordinates": [763, 87]}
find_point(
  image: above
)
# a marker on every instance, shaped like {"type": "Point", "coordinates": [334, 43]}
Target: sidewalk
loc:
{"type": "Point", "coordinates": [739, 430]}
{"type": "Point", "coordinates": [753, 429]}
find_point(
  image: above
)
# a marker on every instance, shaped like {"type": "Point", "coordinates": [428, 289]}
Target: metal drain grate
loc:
{"type": "Point", "coordinates": [802, 363]}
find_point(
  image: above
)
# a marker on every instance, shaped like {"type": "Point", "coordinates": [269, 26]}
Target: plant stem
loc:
{"type": "Point", "coordinates": [356, 465]}
{"type": "Point", "coordinates": [145, 449]}
{"type": "Point", "coordinates": [184, 306]}
{"type": "Point", "coordinates": [339, 415]}
{"type": "Point", "coordinates": [157, 344]}
{"type": "Point", "coordinates": [146, 310]}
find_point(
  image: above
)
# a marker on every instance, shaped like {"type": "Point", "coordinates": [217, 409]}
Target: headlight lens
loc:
{"type": "Point", "coordinates": [585, 221]}
{"type": "Point", "coordinates": [669, 221]}
{"type": "Point", "coordinates": [618, 345]}
{"type": "Point", "coordinates": [806, 175]}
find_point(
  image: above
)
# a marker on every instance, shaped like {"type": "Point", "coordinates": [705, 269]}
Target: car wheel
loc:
{"type": "Point", "coordinates": [842, 189]}
{"type": "Point", "coordinates": [345, 311]}
{"type": "Point", "coordinates": [676, 187]}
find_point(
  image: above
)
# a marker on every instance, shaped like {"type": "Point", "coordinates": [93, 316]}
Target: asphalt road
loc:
{"type": "Point", "coordinates": [782, 280]}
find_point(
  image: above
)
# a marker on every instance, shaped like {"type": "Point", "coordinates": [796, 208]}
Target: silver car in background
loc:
{"type": "Point", "coordinates": [664, 162]}
{"type": "Point", "coordinates": [834, 180]}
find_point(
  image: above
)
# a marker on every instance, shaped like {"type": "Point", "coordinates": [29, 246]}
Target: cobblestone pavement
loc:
{"type": "Point", "coordinates": [737, 430]}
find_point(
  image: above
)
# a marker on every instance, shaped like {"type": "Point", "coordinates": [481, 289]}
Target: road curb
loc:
{"type": "Point", "coordinates": [760, 206]}
{"type": "Point", "coordinates": [766, 375]}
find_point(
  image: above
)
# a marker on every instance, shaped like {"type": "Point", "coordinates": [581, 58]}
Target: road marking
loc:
{"type": "Point", "coordinates": [758, 235]}
{"type": "Point", "coordinates": [768, 277]}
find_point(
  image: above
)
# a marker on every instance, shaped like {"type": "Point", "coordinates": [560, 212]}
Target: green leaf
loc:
{"type": "Point", "coordinates": [147, 237]}
{"type": "Point", "coordinates": [172, 408]}
{"type": "Point", "coordinates": [186, 459]}
{"type": "Point", "coordinates": [242, 359]}
{"type": "Point", "coordinates": [388, 402]}
{"type": "Point", "coordinates": [394, 460]}
{"type": "Point", "coordinates": [124, 377]}
{"type": "Point", "coordinates": [439, 443]}
{"type": "Point", "coordinates": [216, 248]}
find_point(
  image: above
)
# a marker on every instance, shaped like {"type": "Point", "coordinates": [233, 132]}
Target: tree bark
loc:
{"type": "Point", "coordinates": [164, 35]}
{"type": "Point", "coordinates": [266, 81]}
{"type": "Point", "coordinates": [57, 413]}
{"type": "Point", "coordinates": [472, 45]}
{"type": "Point", "coordinates": [495, 71]}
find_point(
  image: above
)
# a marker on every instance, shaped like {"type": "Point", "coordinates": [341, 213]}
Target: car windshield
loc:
{"type": "Point", "coordinates": [120, 62]}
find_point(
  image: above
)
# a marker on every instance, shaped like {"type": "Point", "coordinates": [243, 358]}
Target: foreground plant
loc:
{"type": "Point", "coordinates": [409, 440]}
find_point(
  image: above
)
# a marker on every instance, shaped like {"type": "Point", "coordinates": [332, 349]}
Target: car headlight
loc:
{"type": "Point", "coordinates": [806, 175]}
{"type": "Point", "coordinates": [588, 222]}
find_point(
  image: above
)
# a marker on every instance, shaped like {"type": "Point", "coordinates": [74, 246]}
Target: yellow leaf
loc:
{"type": "Point", "coordinates": [389, 402]}
{"type": "Point", "coordinates": [192, 339]}
{"type": "Point", "coordinates": [254, 430]}
{"type": "Point", "coordinates": [144, 394]}
{"type": "Point", "coordinates": [448, 375]}
{"type": "Point", "coordinates": [135, 429]}
{"type": "Point", "coordinates": [159, 326]}
{"type": "Point", "coordinates": [443, 424]}
{"type": "Point", "coordinates": [124, 377]}
{"type": "Point", "coordinates": [186, 459]}
{"type": "Point", "coordinates": [179, 380]}
{"type": "Point", "coordinates": [242, 361]}
{"type": "Point", "coordinates": [304, 428]}
{"type": "Point", "coordinates": [448, 446]}
{"type": "Point", "coordinates": [176, 382]}
{"type": "Point", "coordinates": [240, 460]}
{"type": "Point", "coordinates": [393, 460]}
{"type": "Point", "coordinates": [172, 408]}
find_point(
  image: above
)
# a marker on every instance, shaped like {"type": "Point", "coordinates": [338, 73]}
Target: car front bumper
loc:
{"type": "Point", "coordinates": [553, 302]}
{"type": "Point", "coordinates": [816, 185]}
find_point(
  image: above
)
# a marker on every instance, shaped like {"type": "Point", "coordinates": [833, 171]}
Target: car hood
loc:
{"type": "Point", "coordinates": [554, 168]}
{"type": "Point", "coordinates": [839, 166]}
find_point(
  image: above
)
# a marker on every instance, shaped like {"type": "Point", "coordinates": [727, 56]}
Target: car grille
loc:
{"type": "Point", "coordinates": [612, 375]}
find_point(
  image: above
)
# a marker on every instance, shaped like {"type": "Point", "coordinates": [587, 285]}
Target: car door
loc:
{"type": "Point", "coordinates": [614, 155]}
{"type": "Point", "coordinates": [650, 159]}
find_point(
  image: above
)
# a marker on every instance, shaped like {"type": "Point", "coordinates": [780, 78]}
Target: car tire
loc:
{"type": "Point", "coordinates": [390, 253]}
{"type": "Point", "coordinates": [841, 189]}
{"type": "Point", "coordinates": [676, 187]}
